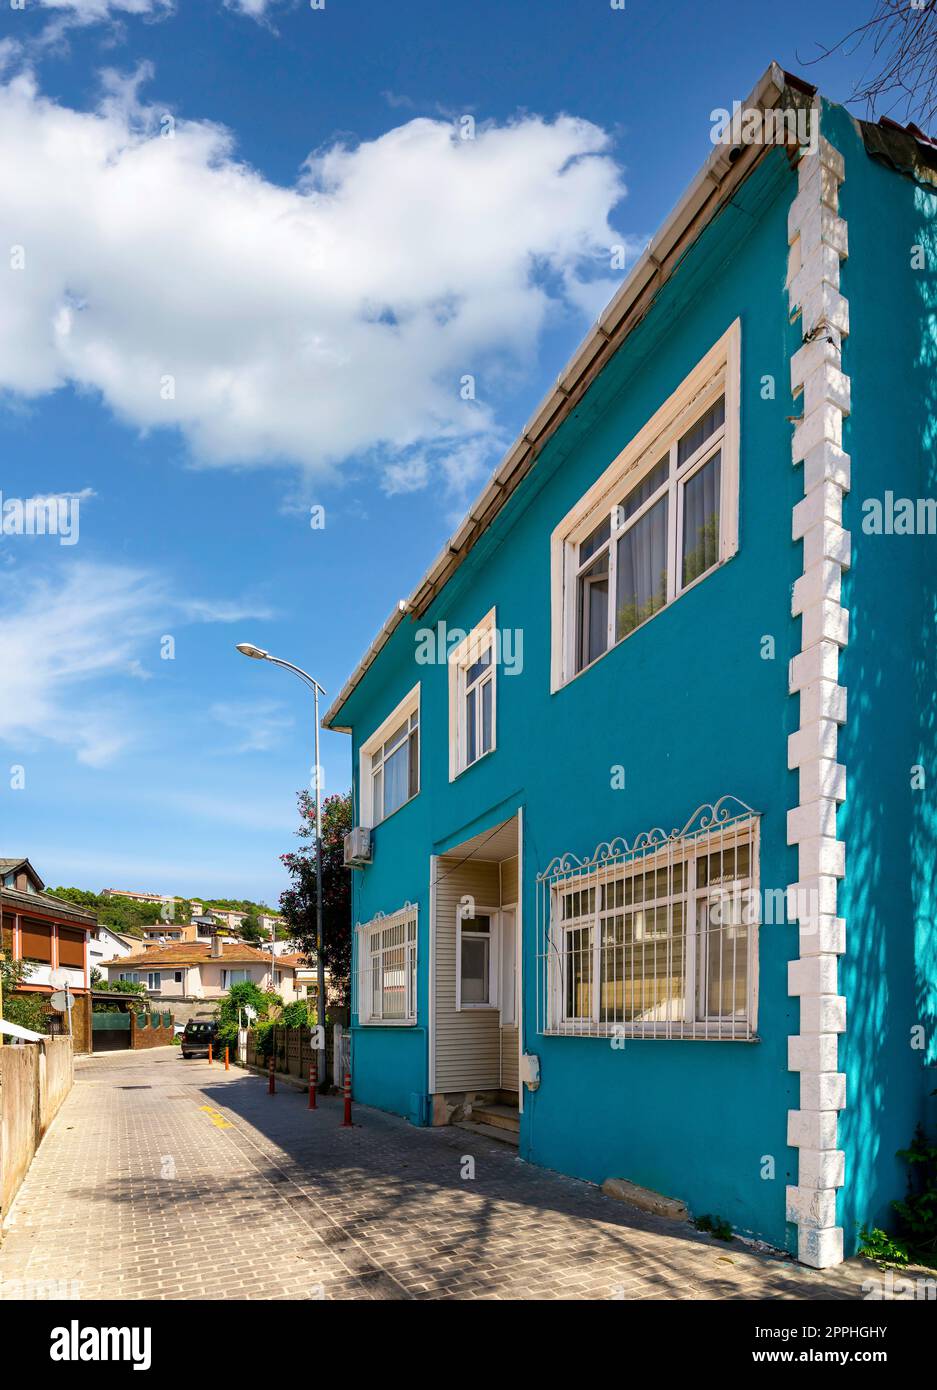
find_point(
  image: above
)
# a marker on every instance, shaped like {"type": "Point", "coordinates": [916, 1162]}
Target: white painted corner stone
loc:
{"type": "Point", "coordinates": [818, 240]}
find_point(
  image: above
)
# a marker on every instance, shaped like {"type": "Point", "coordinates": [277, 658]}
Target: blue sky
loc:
{"type": "Point", "coordinates": [274, 309]}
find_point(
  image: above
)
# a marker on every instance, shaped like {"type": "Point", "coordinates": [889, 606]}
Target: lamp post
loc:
{"type": "Point", "coordinates": [258, 654]}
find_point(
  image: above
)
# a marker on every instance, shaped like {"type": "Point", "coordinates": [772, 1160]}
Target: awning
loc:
{"type": "Point", "coordinates": [13, 1030]}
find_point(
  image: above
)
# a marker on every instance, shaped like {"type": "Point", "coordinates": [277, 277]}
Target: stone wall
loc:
{"type": "Point", "coordinates": [34, 1080]}
{"type": "Point", "coordinates": [145, 1032]}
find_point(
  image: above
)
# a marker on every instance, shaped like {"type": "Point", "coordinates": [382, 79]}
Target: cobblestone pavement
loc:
{"type": "Point", "coordinates": [165, 1179]}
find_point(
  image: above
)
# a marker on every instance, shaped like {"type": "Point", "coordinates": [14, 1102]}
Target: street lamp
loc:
{"type": "Point", "coordinates": [258, 654]}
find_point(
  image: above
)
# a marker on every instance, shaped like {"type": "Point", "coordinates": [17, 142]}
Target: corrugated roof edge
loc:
{"type": "Point", "coordinates": [727, 166]}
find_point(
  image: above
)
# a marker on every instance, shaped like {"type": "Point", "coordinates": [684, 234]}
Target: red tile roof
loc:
{"type": "Point", "coordinates": [191, 953]}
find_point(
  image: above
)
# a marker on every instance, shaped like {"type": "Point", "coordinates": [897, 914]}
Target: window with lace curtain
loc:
{"type": "Point", "coordinates": [660, 519]}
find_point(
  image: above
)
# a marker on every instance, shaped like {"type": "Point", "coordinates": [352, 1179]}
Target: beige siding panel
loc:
{"type": "Point", "coordinates": [468, 1044]}
{"type": "Point", "coordinates": [509, 893]}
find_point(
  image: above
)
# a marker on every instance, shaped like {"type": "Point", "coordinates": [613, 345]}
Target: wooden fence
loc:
{"type": "Point", "coordinates": [292, 1049]}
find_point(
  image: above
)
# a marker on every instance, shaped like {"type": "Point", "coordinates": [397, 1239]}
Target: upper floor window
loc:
{"type": "Point", "coordinates": [660, 518]}
{"type": "Point", "coordinates": [390, 762]}
{"type": "Point", "coordinates": [472, 676]}
{"type": "Point", "coordinates": [36, 942]}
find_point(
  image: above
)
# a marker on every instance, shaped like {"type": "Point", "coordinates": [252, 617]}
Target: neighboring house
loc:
{"type": "Point", "coordinates": [305, 985]}
{"type": "Point", "coordinates": [168, 932]}
{"type": "Point", "coordinates": [650, 621]}
{"type": "Point", "coordinates": [186, 975]}
{"type": "Point", "coordinates": [107, 944]}
{"type": "Point", "coordinates": [229, 918]}
{"type": "Point", "coordinates": [137, 897]}
{"type": "Point", "coordinates": [52, 936]}
{"type": "Point", "coordinates": [233, 918]}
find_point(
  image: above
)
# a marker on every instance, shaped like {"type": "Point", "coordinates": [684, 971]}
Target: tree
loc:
{"type": "Point", "coordinates": [126, 987]}
{"type": "Point", "coordinates": [25, 1009]}
{"type": "Point", "coordinates": [903, 39]}
{"type": "Point", "coordinates": [251, 930]}
{"type": "Point", "coordinates": [238, 997]}
{"type": "Point", "coordinates": [298, 902]}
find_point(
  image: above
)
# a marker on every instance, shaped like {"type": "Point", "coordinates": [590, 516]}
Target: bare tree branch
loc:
{"type": "Point", "coordinates": [902, 71]}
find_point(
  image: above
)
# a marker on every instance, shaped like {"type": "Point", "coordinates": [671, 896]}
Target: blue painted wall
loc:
{"type": "Point", "coordinates": [691, 710]}
{"type": "Point", "coordinates": [889, 972]}
{"type": "Point", "coordinates": [687, 705]}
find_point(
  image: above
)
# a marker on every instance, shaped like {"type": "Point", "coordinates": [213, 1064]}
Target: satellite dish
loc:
{"type": "Point", "coordinates": [60, 1001]}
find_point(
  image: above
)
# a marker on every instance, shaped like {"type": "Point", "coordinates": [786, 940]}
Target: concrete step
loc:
{"type": "Point", "coordinates": [502, 1116]}
{"type": "Point", "coordinates": [503, 1136]}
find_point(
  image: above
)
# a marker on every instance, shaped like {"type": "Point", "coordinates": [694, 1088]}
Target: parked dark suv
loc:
{"type": "Point", "coordinates": [198, 1034]}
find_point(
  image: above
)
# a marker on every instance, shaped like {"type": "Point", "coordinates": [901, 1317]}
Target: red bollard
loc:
{"type": "Point", "coordinates": [347, 1120]}
{"type": "Point", "coordinates": [209, 1054]}
{"type": "Point", "coordinates": [313, 1081]}
{"type": "Point", "coordinates": [226, 1066]}
{"type": "Point", "coordinates": [272, 1081]}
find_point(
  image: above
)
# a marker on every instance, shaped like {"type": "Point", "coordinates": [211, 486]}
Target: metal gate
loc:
{"type": "Point", "coordinates": [110, 1032]}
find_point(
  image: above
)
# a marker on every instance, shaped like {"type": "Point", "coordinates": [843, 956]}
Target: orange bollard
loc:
{"type": "Point", "coordinates": [226, 1066]}
{"type": "Point", "coordinates": [209, 1054]}
{"type": "Point", "coordinates": [347, 1120]}
{"type": "Point", "coordinates": [272, 1081]}
{"type": "Point", "coordinates": [313, 1081]}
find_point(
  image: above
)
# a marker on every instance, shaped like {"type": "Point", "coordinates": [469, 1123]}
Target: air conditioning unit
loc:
{"type": "Point", "coordinates": [357, 847]}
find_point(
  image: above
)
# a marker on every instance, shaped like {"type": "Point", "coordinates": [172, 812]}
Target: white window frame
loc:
{"type": "Point", "coordinates": [369, 933]}
{"type": "Point", "coordinates": [153, 978]}
{"type": "Point", "coordinates": [409, 705]}
{"type": "Point", "coordinates": [227, 972]}
{"type": "Point", "coordinates": [494, 956]}
{"type": "Point", "coordinates": [717, 374]}
{"type": "Point", "coordinates": [461, 658]}
{"type": "Point", "coordinates": [697, 1023]}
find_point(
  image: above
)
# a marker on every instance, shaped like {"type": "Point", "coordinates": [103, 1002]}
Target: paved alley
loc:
{"type": "Point", "coordinates": [167, 1179]}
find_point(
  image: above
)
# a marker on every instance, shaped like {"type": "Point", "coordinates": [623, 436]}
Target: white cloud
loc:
{"type": "Point", "coordinates": [258, 724]}
{"type": "Point", "coordinates": [60, 636]}
{"type": "Point", "coordinates": [200, 610]}
{"type": "Point", "coordinates": [313, 323]}
{"type": "Point", "coordinates": [67, 643]}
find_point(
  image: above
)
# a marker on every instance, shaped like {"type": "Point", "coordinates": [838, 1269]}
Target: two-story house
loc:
{"type": "Point", "coordinates": [51, 936]}
{"type": "Point", "coordinates": [648, 757]}
{"type": "Point", "coordinates": [184, 976]}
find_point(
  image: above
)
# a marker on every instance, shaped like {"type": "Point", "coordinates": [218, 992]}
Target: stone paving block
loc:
{"type": "Point", "coordinates": [136, 1194]}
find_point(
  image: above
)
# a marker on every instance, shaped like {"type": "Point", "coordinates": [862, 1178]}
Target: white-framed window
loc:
{"type": "Point", "coordinates": [387, 965]}
{"type": "Point", "coordinates": [478, 938]}
{"type": "Point", "coordinates": [233, 977]}
{"type": "Point", "coordinates": [390, 762]}
{"type": "Point", "coordinates": [152, 979]}
{"type": "Point", "coordinates": [659, 943]}
{"type": "Point", "coordinates": [132, 976]}
{"type": "Point", "coordinates": [472, 697]}
{"type": "Point", "coordinates": [661, 517]}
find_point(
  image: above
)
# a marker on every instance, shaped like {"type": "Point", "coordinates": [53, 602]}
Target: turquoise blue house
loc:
{"type": "Point", "coordinates": [645, 767]}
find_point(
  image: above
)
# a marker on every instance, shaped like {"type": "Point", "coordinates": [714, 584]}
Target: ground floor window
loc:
{"type": "Point", "coordinates": [386, 973]}
{"type": "Point", "coordinates": [478, 952]}
{"type": "Point", "coordinates": [655, 939]}
{"type": "Point", "coordinates": [233, 977]}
